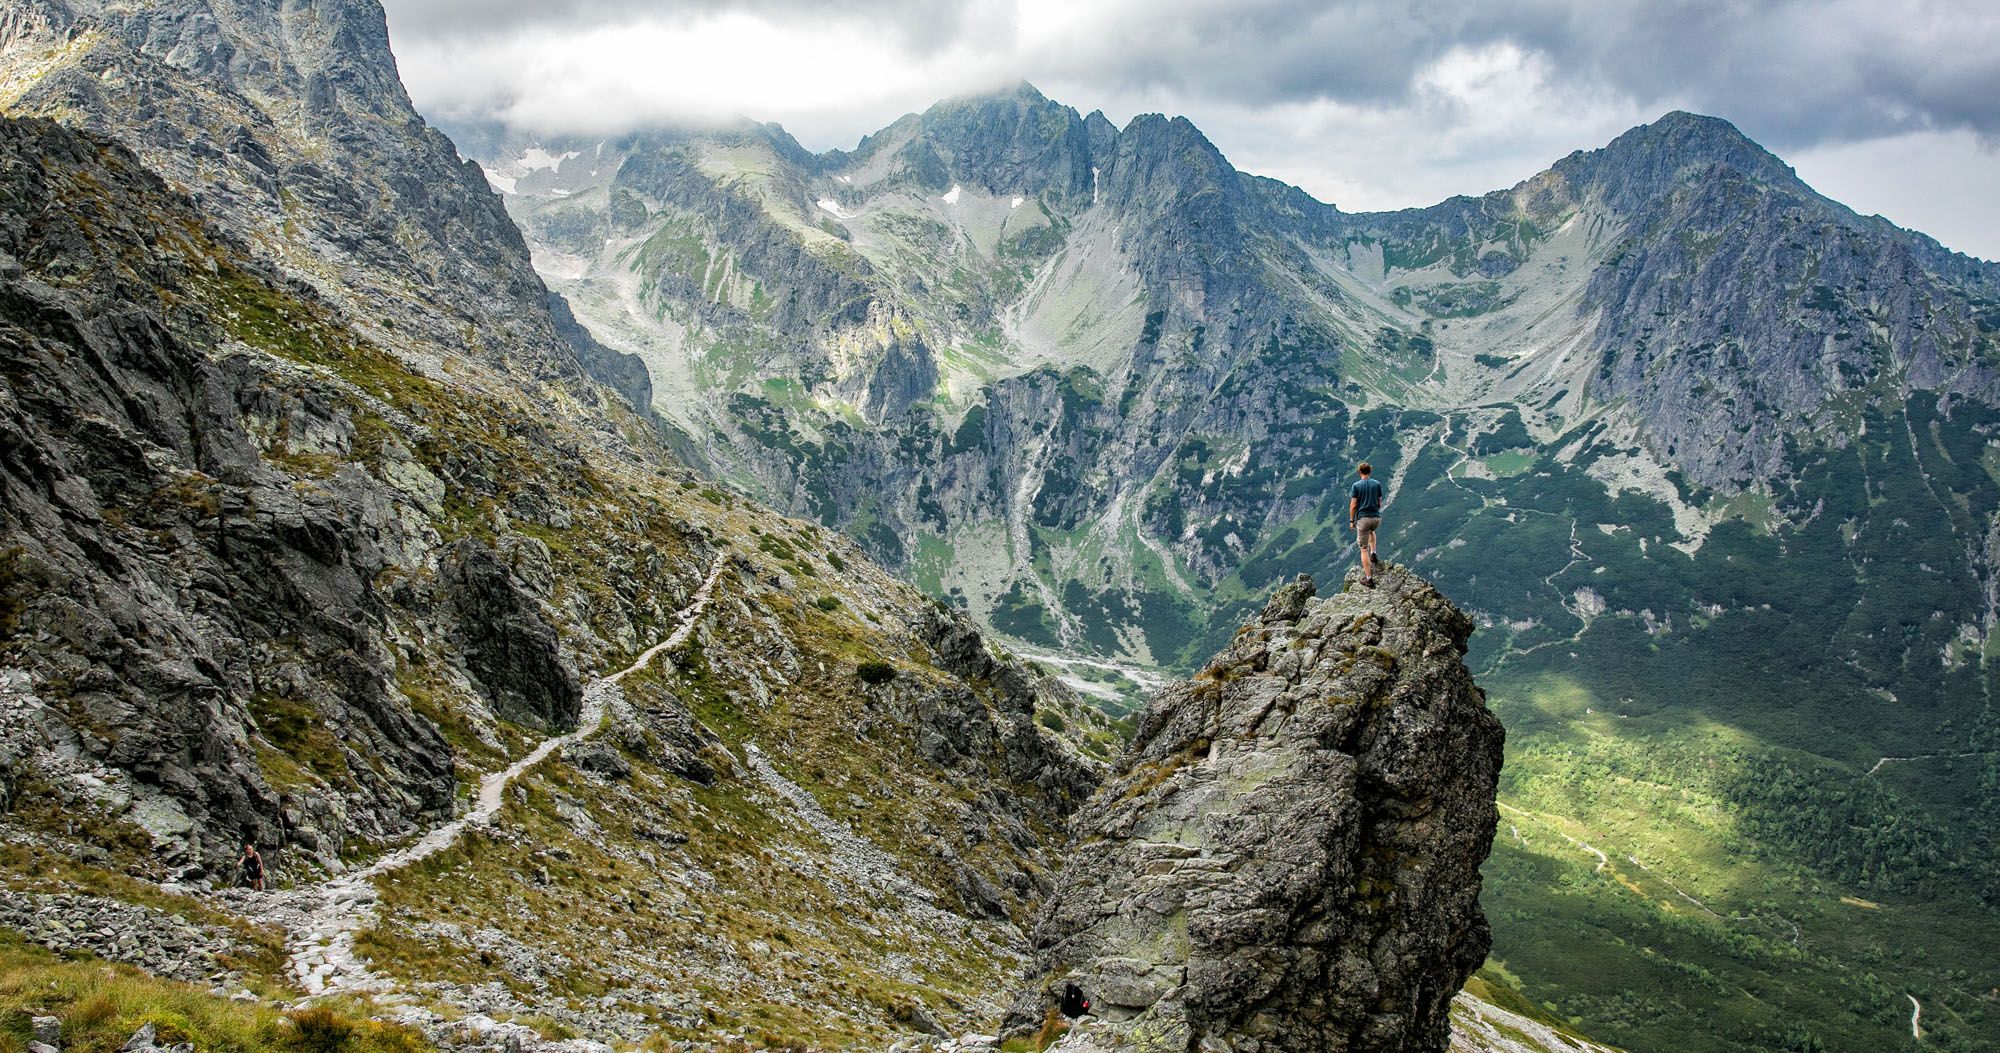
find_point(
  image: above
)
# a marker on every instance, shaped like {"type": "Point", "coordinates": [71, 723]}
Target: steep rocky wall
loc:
{"type": "Point", "coordinates": [165, 578]}
{"type": "Point", "coordinates": [1288, 857]}
{"type": "Point", "coordinates": [289, 124]}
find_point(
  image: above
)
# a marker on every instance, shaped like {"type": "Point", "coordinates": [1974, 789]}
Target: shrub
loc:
{"type": "Point", "coordinates": [320, 1030]}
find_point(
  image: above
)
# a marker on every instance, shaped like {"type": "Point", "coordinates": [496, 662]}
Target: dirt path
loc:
{"type": "Point", "coordinates": [1916, 1015]}
{"type": "Point", "coordinates": [1924, 756]}
{"type": "Point", "coordinates": [1602, 859]}
{"type": "Point", "coordinates": [324, 919]}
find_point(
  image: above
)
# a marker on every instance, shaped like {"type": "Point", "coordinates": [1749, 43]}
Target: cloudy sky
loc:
{"type": "Point", "coordinates": [1892, 106]}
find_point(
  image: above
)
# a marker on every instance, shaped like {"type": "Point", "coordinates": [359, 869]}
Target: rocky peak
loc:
{"type": "Point", "coordinates": [1654, 158]}
{"type": "Point", "coordinates": [288, 125]}
{"type": "Point", "coordinates": [1011, 141]}
{"type": "Point", "coordinates": [1288, 855]}
{"type": "Point", "coordinates": [1162, 157]}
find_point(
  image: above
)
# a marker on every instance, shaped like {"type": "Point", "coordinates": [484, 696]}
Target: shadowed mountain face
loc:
{"type": "Point", "coordinates": [1707, 456]}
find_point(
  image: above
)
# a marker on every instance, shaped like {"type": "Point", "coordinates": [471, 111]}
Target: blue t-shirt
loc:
{"type": "Point", "coordinates": [1367, 495]}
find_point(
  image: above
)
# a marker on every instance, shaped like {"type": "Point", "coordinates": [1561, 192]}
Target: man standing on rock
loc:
{"type": "Point", "coordinates": [1364, 515]}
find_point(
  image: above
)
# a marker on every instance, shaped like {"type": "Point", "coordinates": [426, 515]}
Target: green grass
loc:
{"type": "Point", "coordinates": [102, 1004]}
{"type": "Point", "coordinates": [1513, 462]}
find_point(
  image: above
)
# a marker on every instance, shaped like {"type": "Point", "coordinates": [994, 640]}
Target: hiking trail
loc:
{"type": "Point", "coordinates": [1927, 756]}
{"type": "Point", "coordinates": [323, 919]}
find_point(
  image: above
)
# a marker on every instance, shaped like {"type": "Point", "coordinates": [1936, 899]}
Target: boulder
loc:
{"type": "Point", "coordinates": [1288, 855]}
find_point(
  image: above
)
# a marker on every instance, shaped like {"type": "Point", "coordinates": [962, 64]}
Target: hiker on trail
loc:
{"type": "Point", "coordinates": [253, 867]}
{"type": "Point", "coordinates": [1364, 515]}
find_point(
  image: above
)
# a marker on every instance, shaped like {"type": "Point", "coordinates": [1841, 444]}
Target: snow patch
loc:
{"type": "Point", "coordinates": [1016, 203]}
{"type": "Point", "coordinates": [951, 196]}
{"type": "Point", "coordinates": [504, 184]}
{"type": "Point", "coordinates": [1093, 184]}
{"type": "Point", "coordinates": [844, 179]}
{"type": "Point", "coordinates": [831, 206]}
{"type": "Point", "coordinates": [534, 159]}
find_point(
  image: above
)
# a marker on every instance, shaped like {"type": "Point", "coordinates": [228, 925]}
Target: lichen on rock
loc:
{"type": "Point", "coordinates": [1287, 857]}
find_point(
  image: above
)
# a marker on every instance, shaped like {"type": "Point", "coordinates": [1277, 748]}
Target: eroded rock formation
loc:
{"type": "Point", "coordinates": [1288, 856]}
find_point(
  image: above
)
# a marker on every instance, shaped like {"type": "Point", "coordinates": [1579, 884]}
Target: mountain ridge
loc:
{"type": "Point", "coordinates": [1646, 413]}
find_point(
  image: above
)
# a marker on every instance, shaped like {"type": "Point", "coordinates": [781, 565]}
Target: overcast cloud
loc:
{"type": "Point", "coordinates": [1892, 106]}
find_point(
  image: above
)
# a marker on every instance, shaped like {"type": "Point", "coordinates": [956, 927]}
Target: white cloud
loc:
{"type": "Point", "coordinates": [830, 81]}
{"type": "Point", "coordinates": [1367, 103]}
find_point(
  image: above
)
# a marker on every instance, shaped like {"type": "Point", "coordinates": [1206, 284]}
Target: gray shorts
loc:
{"type": "Point", "coordinates": [1364, 530]}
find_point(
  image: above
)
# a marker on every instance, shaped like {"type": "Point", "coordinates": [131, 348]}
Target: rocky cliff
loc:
{"type": "Point", "coordinates": [288, 124]}
{"type": "Point", "coordinates": [1287, 857]}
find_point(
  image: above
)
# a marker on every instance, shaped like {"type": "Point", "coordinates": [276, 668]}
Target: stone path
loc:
{"type": "Point", "coordinates": [324, 919]}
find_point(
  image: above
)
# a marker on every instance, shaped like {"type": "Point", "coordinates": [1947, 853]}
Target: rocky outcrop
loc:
{"type": "Point", "coordinates": [508, 645]}
{"type": "Point", "coordinates": [1288, 857]}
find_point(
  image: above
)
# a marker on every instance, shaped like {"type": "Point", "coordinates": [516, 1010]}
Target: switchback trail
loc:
{"type": "Point", "coordinates": [323, 919]}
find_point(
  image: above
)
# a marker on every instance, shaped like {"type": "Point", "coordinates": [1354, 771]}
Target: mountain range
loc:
{"type": "Point", "coordinates": [1708, 456]}
{"type": "Point", "coordinates": [326, 529]}
{"type": "Point", "coordinates": [495, 542]}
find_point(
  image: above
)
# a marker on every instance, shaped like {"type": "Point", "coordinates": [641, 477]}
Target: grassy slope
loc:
{"type": "Point", "coordinates": [101, 1005]}
{"type": "Point", "coordinates": [743, 923]}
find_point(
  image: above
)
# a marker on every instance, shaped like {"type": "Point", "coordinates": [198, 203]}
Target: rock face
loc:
{"type": "Point", "coordinates": [169, 584]}
{"type": "Point", "coordinates": [1288, 857]}
{"type": "Point", "coordinates": [507, 642]}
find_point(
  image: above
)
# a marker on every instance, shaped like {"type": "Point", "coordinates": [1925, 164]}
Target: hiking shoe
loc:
{"type": "Point", "coordinates": [1367, 583]}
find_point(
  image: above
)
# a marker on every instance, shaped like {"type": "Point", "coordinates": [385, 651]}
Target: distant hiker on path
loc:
{"type": "Point", "coordinates": [1364, 514]}
{"type": "Point", "coordinates": [1074, 1004]}
{"type": "Point", "coordinates": [253, 867]}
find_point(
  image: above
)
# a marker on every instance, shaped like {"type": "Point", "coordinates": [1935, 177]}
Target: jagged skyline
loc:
{"type": "Point", "coordinates": [1887, 107]}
